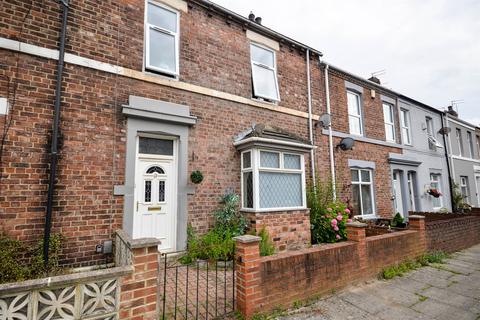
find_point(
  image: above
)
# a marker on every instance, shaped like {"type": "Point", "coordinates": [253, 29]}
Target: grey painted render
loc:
{"type": "Point", "coordinates": [420, 160]}
{"type": "Point", "coordinates": [176, 124]}
{"type": "Point", "coordinates": [466, 163]}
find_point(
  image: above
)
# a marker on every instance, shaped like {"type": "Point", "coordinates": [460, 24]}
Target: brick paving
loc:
{"type": "Point", "coordinates": [441, 292]}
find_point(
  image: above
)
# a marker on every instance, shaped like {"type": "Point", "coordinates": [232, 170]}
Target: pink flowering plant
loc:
{"type": "Point", "coordinates": [329, 223]}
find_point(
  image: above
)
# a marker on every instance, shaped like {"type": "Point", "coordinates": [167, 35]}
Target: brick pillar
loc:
{"type": "Point", "coordinates": [417, 223]}
{"type": "Point", "coordinates": [247, 266]}
{"type": "Point", "coordinates": [356, 232]}
{"type": "Point", "coordinates": [138, 298]}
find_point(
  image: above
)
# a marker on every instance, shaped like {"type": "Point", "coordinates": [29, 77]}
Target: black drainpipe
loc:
{"type": "Point", "coordinates": [54, 142]}
{"type": "Point", "coordinates": [450, 178]}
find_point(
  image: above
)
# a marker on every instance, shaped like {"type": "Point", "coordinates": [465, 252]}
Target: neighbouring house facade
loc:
{"type": "Point", "coordinates": [154, 90]}
{"type": "Point", "coordinates": [464, 156]}
{"type": "Point", "coordinates": [422, 165]}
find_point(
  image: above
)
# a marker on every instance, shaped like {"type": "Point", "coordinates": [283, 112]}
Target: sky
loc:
{"type": "Point", "coordinates": [429, 49]}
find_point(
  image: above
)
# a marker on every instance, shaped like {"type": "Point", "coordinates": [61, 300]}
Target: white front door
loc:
{"type": "Point", "coordinates": [397, 193]}
{"type": "Point", "coordinates": [155, 192]}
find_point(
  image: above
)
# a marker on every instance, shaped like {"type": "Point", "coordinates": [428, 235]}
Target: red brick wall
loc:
{"type": "Point", "coordinates": [452, 235]}
{"type": "Point", "coordinates": [265, 283]}
{"type": "Point", "coordinates": [289, 230]}
{"type": "Point", "coordinates": [392, 248]}
{"type": "Point", "coordinates": [93, 130]}
{"type": "Point", "coordinates": [373, 129]}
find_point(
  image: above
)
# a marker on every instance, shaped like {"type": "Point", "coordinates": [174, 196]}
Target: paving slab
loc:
{"type": "Point", "coordinates": [445, 292]}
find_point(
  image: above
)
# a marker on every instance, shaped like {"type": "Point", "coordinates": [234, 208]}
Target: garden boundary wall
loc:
{"type": "Point", "coordinates": [452, 232]}
{"type": "Point", "coordinates": [266, 283]}
{"type": "Point", "coordinates": [126, 291]}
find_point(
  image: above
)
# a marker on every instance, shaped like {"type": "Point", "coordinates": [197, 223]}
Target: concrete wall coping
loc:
{"type": "Point", "coordinates": [247, 239]}
{"type": "Point", "coordinates": [356, 224]}
{"type": "Point", "coordinates": [416, 217]}
{"type": "Point", "coordinates": [137, 243]}
{"type": "Point", "coordinates": [67, 279]}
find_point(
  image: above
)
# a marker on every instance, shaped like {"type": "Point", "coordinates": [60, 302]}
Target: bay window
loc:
{"type": "Point", "coordinates": [161, 39]}
{"type": "Point", "coordinates": [272, 180]}
{"type": "Point", "coordinates": [362, 190]}
{"type": "Point", "coordinates": [264, 73]}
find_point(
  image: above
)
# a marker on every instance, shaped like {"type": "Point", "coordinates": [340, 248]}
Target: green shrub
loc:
{"type": "Point", "coordinates": [267, 248]}
{"type": "Point", "coordinates": [328, 218]}
{"type": "Point", "coordinates": [14, 255]}
{"type": "Point", "coordinates": [11, 268]}
{"type": "Point", "coordinates": [397, 220]}
{"type": "Point", "coordinates": [409, 265]}
{"type": "Point", "coordinates": [229, 219]}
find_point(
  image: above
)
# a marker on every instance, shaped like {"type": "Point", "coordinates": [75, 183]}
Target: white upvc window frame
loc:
{"type": "Point", "coordinates": [256, 168]}
{"type": "Point", "coordinates": [470, 144]}
{"type": "Point", "coordinates": [372, 190]}
{"type": "Point", "coordinates": [436, 178]}
{"type": "Point", "coordinates": [176, 35]}
{"type": "Point", "coordinates": [389, 125]}
{"type": "Point", "coordinates": [458, 135]}
{"type": "Point", "coordinates": [430, 133]}
{"type": "Point", "coordinates": [405, 127]}
{"type": "Point", "coordinates": [358, 116]}
{"type": "Point", "coordinates": [261, 65]}
{"type": "Point", "coordinates": [477, 140]}
{"type": "Point", "coordinates": [465, 186]}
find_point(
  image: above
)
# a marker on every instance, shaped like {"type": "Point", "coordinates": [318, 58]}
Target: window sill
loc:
{"type": "Point", "coordinates": [273, 210]}
{"type": "Point", "coordinates": [173, 77]}
{"type": "Point", "coordinates": [272, 103]}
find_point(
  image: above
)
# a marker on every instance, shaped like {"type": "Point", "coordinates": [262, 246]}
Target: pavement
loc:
{"type": "Point", "coordinates": [449, 291]}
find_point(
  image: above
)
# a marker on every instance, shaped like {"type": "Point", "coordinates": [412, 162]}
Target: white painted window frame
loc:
{"type": "Point", "coordinates": [256, 169]}
{"type": "Point", "coordinates": [389, 124]}
{"type": "Point", "coordinates": [464, 184]}
{"type": "Point", "coordinates": [458, 135]}
{"type": "Point", "coordinates": [357, 116]}
{"type": "Point", "coordinates": [405, 127]}
{"type": "Point", "coordinates": [372, 186]}
{"type": "Point", "coordinates": [438, 181]}
{"type": "Point", "coordinates": [261, 65]}
{"type": "Point", "coordinates": [176, 35]}
{"type": "Point", "coordinates": [470, 144]}
{"type": "Point", "coordinates": [477, 140]}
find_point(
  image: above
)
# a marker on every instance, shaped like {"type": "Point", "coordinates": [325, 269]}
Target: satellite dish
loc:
{"type": "Point", "coordinates": [324, 121]}
{"type": "Point", "coordinates": [346, 144]}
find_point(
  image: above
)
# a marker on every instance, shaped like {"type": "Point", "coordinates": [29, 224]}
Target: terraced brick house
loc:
{"type": "Point", "coordinates": [153, 90]}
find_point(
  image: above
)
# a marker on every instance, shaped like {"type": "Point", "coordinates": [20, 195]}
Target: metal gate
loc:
{"type": "Point", "coordinates": [198, 290]}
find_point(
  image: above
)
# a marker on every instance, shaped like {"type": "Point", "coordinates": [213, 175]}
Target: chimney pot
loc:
{"type": "Point", "coordinates": [251, 16]}
{"type": "Point", "coordinates": [258, 20]}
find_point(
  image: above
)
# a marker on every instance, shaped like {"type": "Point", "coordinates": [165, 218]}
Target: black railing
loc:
{"type": "Point", "coordinates": [197, 290]}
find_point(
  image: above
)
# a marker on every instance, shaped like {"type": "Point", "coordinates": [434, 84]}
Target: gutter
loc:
{"type": "Point", "coordinates": [310, 123]}
{"type": "Point", "coordinates": [54, 141]}
{"type": "Point", "coordinates": [330, 134]}
{"type": "Point", "coordinates": [448, 157]}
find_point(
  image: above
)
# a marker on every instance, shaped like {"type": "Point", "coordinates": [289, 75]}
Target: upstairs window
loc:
{"type": "Point", "coordinates": [161, 53]}
{"type": "Point", "coordinates": [478, 146]}
{"type": "Point", "coordinates": [388, 118]}
{"type": "Point", "coordinates": [461, 151]}
{"type": "Point", "coordinates": [405, 124]}
{"type": "Point", "coordinates": [470, 144]}
{"type": "Point", "coordinates": [264, 73]}
{"type": "Point", "coordinates": [354, 113]}
{"type": "Point", "coordinates": [272, 180]}
{"type": "Point", "coordinates": [432, 141]}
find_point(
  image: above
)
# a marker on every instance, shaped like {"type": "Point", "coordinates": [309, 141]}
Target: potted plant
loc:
{"type": "Point", "coordinates": [434, 192]}
{"type": "Point", "coordinates": [398, 221]}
